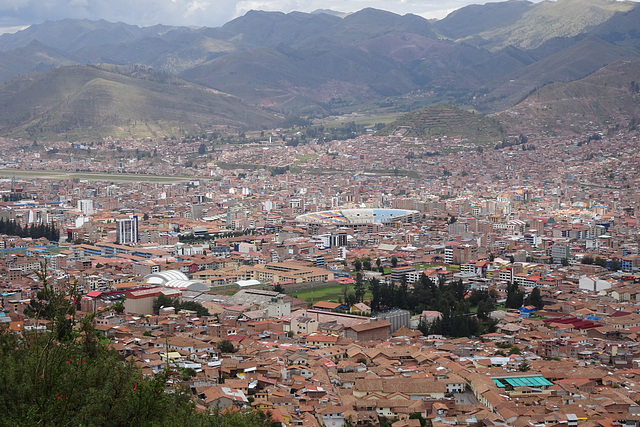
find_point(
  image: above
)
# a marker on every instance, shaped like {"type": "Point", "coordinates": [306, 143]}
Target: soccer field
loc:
{"type": "Point", "coordinates": [331, 293]}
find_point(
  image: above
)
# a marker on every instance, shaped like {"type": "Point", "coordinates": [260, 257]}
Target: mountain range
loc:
{"type": "Point", "coordinates": [486, 57]}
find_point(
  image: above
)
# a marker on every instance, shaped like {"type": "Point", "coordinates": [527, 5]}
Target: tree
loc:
{"type": "Point", "coordinates": [394, 262]}
{"type": "Point", "coordinates": [565, 262]}
{"type": "Point", "coordinates": [614, 266]}
{"type": "Point", "coordinates": [535, 299]}
{"type": "Point", "coordinates": [226, 346]}
{"type": "Point", "coordinates": [48, 379]}
{"type": "Point", "coordinates": [514, 350]}
{"type": "Point", "coordinates": [600, 262]}
{"type": "Point", "coordinates": [359, 288]}
{"type": "Point", "coordinates": [366, 264]}
{"type": "Point", "coordinates": [515, 297]}
{"type": "Point", "coordinates": [587, 259]}
{"type": "Point", "coordinates": [202, 149]}
{"type": "Point", "coordinates": [278, 288]}
{"type": "Point", "coordinates": [357, 265]}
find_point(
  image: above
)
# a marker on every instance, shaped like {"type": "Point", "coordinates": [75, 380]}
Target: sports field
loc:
{"type": "Point", "coordinates": [331, 293]}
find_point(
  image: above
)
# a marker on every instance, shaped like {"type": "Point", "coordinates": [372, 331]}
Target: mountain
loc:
{"type": "Point", "coordinates": [575, 62]}
{"type": "Point", "coordinates": [548, 20]}
{"type": "Point", "coordinates": [607, 96]}
{"type": "Point", "coordinates": [487, 57]}
{"type": "Point", "coordinates": [86, 101]}
{"type": "Point", "coordinates": [35, 56]}
{"type": "Point", "coordinates": [283, 77]}
{"type": "Point", "coordinates": [475, 19]}
{"type": "Point", "coordinates": [447, 121]}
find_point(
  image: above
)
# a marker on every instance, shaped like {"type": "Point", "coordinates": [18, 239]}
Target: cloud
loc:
{"type": "Point", "coordinates": [211, 13]}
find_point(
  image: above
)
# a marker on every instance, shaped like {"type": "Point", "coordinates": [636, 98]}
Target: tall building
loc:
{"type": "Point", "coordinates": [86, 206]}
{"type": "Point", "coordinates": [127, 230]}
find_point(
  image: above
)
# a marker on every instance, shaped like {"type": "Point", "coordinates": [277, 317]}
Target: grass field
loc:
{"type": "Point", "coordinates": [331, 293]}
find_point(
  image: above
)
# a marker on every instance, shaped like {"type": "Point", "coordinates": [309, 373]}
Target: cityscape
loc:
{"type": "Point", "coordinates": [433, 267]}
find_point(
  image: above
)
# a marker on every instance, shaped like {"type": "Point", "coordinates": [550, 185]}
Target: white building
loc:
{"type": "Point", "coordinates": [127, 230]}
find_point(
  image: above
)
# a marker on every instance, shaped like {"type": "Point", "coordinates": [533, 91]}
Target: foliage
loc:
{"type": "Point", "coordinates": [535, 299]}
{"type": "Point", "coordinates": [447, 298]}
{"type": "Point", "coordinates": [226, 346]}
{"type": "Point", "coordinates": [587, 259]}
{"type": "Point", "coordinates": [65, 376]}
{"type": "Point", "coordinates": [514, 350]}
{"type": "Point", "coordinates": [515, 297]}
{"type": "Point", "coordinates": [164, 301]}
{"type": "Point", "coordinates": [359, 288]}
{"type": "Point", "coordinates": [12, 228]}
{"type": "Point", "coordinates": [279, 288]}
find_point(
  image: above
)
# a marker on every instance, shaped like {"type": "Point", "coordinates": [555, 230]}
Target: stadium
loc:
{"type": "Point", "coordinates": [346, 217]}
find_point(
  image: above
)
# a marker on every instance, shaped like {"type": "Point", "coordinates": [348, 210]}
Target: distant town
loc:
{"type": "Point", "coordinates": [372, 281]}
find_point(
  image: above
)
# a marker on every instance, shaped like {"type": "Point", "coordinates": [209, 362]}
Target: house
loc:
{"type": "Point", "coordinates": [378, 330]}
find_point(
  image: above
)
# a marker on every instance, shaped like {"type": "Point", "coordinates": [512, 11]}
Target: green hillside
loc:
{"type": "Point", "coordinates": [554, 19]}
{"type": "Point", "coordinates": [83, 102]}
{"type": "Point", "coordinates": [611, 92]}
{"type": "Point", "coordinates": [575, 62]}
{"type": "Point", "coordinates": [447, 120]}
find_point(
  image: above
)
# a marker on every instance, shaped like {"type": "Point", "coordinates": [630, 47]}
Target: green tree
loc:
{"type": "Point", "coordinates": [587, 259]}
{"type": "Point", "coordinates": [515, 297]}
{"type": "Point", "coordinates": [614, 266]}
{"type": "Point", "coordinates": [514, 350]}
{"type": "Point", "coordinates": [357, 265]}
{"type": "Point", "coordinates": [359, 288]}
{"type": "Point", "coordinates": [278, 288]}
{"type": "Point", "coordinates": [48, 379]}
{"type": "Point", "coordinates": [600, 261]}
{"type": "Point", "coordinates": [535, 299]}
{"type": "Point", "coordinates": [226, 346]}
{"type": "Point", "coordinates": [394, 262]}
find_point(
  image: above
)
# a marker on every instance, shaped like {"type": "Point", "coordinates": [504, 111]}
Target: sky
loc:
{"type": "Point", "coordinates": [16, 14]}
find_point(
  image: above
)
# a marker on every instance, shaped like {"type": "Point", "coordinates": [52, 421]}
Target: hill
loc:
{"type": "Point", "coordinates": [85, 101]}
{"type": "Point", "coordinates": [447, 120]}
{"type": "Point", "coordinates": [612, 94]}
{"type": "Point", "coordinates": [550, 20]}
{"type": "Point", "coordinates": [475, 19]}
{"type": "Point", "coordinates": [575, 62]}
{"type": "Point", "coordinates": [487, 56]}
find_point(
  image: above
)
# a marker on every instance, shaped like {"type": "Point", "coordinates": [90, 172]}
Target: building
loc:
{"type": "Point", "coordinates": [559, 252]}
{"type": "Point", "coordinates": [351, 217]}
{"type": "Point", "coordinates": [86, 206]}
{"type": "Point", "coordinates": [398, 318]}
{"type": "Point", "coordinates": [127, 230]}
{"type": "Point", "coordinates": [378, 330]}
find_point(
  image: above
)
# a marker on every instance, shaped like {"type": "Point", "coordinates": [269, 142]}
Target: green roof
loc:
{"type": "Point", "coordinates": [528, 381]}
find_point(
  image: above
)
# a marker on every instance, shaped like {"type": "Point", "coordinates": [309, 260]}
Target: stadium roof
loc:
{"type": "Point", "coordinates": [358, 216]}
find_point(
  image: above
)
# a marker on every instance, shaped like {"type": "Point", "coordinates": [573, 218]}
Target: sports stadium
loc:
{"type": "Point", "coordinates": [348, 217]}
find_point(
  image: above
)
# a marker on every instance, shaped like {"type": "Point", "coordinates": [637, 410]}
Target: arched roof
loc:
{"type": "Point", "coordinates": [162, 277]}
{"type": "Point", "coordinates": [186, 285]}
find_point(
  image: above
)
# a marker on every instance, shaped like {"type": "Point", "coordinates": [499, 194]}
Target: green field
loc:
{"type": "Point", "coordinates": [92, 176]}
{"type": "Point", "coordinates": [331, 293]}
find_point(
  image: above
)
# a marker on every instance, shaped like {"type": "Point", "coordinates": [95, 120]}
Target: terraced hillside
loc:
{"type": "Point", "coordinates": [446, 120]}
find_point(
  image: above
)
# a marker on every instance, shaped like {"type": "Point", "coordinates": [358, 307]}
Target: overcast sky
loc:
{"type": "Point", "coordinates": [212, 13]}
